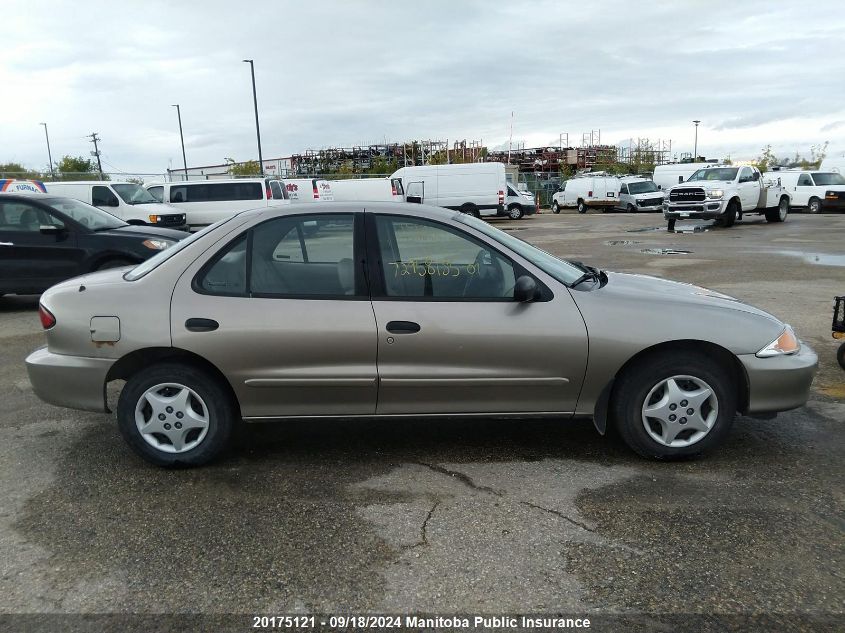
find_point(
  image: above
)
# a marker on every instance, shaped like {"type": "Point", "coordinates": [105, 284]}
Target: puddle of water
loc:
{"type": "Point", "coordinates": [820, 259]}
{"type": "Point", "coordinates": [620, 243]}
{"type": "Point", "coordinates": [664, 251]}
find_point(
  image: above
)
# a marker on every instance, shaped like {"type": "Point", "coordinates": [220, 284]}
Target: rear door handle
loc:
{"type": "Point", "coordinates": [403, 327]}
{"type": "Point", "coordinates": [201, 325]}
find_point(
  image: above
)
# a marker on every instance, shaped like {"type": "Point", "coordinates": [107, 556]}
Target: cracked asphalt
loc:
{"type": "Point", "coordinates": [452, 517]}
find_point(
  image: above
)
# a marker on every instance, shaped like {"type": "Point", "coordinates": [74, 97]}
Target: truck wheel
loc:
{"type": "Point", "coordinates": [729, 217]}
{"type": "Point", "coordinates": [814, 205]}
{"type": "Point", "coordinates": [631, 208]}
{"type": "Point", "coordinates": [582, 208]}
{"type": "Point", "coordinates": [555, 207]}
{"type": "Point", "coordinates": [470, 209]}
{"type": "Point", "coordinates": [671, 226]}
{"type": "Point", "coordinates": [515, 212]}
{"type": "Point", "coordinates": [778, 214]}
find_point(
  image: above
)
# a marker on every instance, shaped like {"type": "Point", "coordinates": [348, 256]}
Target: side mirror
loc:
{"type": "Point", "coordinates": [525, 289]}
{"type": "Point", "coordinates": [51, 229]}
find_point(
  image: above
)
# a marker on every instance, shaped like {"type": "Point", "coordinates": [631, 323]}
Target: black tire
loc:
{"type": "Point", "coordinates": [515, 212]}
{"type": "Point", "coordinates": [116, 262]}
{"type": "Point", "coordinates": [814, 206]}
{"type": "Point", "coordinates": [840, 356]}
{"type": "Point", "coordinates": [470, 209]}
{"type": "Point", "coordinates": [637, 381]}
{"type": "Point", "coordinates": [671, 226]}
{"type": "Point", "coordinates": [631, 208]}
{"type": "Point", "coordinates": [779, 213]}
{"type": "Point", "coordinates": [221, 412]}
{"type": "Point", "coordinates": [555, 207]}
{"type": "Point", "coordinates": [582, 208]}
{"type": "Point", "coordinates": [729, 216]}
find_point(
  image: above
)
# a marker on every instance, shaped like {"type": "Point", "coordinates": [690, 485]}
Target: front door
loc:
{"type": "Point", "coordinates": [451, 337]}
{"type": "Point", "coordinates": [749, 191]}
{"type": "Point", "coordinates": [32, 260]}
{"type": "Point", "coordinates": [283, 311]}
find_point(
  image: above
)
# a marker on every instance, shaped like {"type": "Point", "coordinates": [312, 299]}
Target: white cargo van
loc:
{"type": "Point", "coordinates": [588, 191]}
{"type": "Point", "coordinates": [370, 189]}
{"type": "Point", "coordinates": [475, 188]}
{"type": "Point", "coordinates": [639, 194]}
{"type": "Point", "coordinates": [816, 190]}
{"type": "Point", "coordinates": [307, 189]}
{"type": "Point", "coordinates": [205, 202]}
{"type": "Point", "coordinates": [667, 176]}
{"type": "Point", "coordinates": [128, 201]}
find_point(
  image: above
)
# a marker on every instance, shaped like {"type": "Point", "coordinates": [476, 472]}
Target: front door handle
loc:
{"type": "Point", "coordinates": [6, 244]}
{"type": "Point", "coordinates": [403, 327]}
{"type": "Point", "coordinates": [201, 325]}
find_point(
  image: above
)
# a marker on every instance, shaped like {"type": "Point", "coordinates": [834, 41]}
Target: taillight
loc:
{"type": "Point", "coordinates": [47, 318]}
{"type": "Point", "coordinates": [501, 197]}
{"type": "Point", "coordinates": [589, 194]}
{"type": "Point", "coordinates": [269, 193]}
{"type": "Point", "coordinates": [316, 191]}
{"type": "Point", "coordinates": [392, 188]}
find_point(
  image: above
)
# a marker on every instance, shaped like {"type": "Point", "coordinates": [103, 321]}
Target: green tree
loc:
{"type": "Point", "coordinates": [16, 170]}
{"type": "Point", "coordinates": [346, 170]}
{"type": "Point", "coordinates": [78, 168]}
{"type": "Point", "coordinates": [766, 160]}
{"type": "Point", "coordinates": [248, 168]}
{"type": "Point", "coordinates": [384, 166]}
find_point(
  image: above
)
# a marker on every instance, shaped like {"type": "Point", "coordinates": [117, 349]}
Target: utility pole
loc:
{"type": "Point", "coordinates": [95, 139]}
{"type": "Point", "coordinates": [255, 103]}
{"type": "Point", "coordinates": [695, 150]}
{"type": "Point", "coordinates": [510, 140]}
{"type": "Point", "coordinates": [49, 155]}
{"type": "Point", "coordinates": [181, 138]}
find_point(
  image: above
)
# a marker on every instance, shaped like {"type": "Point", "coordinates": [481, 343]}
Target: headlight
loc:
{"type": "Point", "coordinates": [786, 343]}
{"type": "Point", "coordinates": [153, 219]}
{"type": "Point", "coordinates": [157, 245]}
{"type": "Point", "coordinates": [715, 193]}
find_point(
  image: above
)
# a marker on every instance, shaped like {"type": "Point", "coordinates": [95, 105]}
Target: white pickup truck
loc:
{"type": "Point", "coordinates": [725, 193]}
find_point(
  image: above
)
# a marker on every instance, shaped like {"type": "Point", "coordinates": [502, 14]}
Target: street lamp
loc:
{"type": "Point", "coordinates": [255, 103]}
{"type": "Point", "coordinates": [695, 149]}
{"type": "Point", "coordinates": [181, 137]}
{"type": "Point", "coordinates": [49, 155]}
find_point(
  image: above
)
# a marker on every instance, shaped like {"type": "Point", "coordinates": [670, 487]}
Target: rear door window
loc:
{"type": "Point", "coordinates": [217, 192]}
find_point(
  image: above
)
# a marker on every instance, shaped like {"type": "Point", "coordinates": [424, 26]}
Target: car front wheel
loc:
{"type": "Point", "coordinates": [555, 207]}
{"type": "Point", "coordinates": [173, 414]}
{"type": "Point", "coordinates": [515, 212]}
{"type": "Point", "coordinates": [672, 406]}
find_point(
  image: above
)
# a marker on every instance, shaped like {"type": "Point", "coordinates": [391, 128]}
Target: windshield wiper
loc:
{"type": "Point", "coordinates": [590, 275]}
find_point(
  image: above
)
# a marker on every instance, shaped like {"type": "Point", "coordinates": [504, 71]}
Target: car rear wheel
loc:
{"type": "Point", "coordinates": [582, 208]}
{"type": "Point", "coordinates": [515, 212]}
{"type": "Point", "coordinates": [814, 205]}
{"type": "Point", "coordinates": [672, 406]}
{"type": "Point", "coordinates": [778, 214]}
{"type": "Point", "coordinates": [555, 207]}
{"type": "Point", "coordinates": [173, 414]}
{"type": "Point", "coordinates": [470, 209]}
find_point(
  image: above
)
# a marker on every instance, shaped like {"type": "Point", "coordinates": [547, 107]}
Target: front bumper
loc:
{"type": "Point", "coordinates": [176, 221]}
{"type": "Point", "coordinates": [833, 204]}
{"type": "Point", "coordinates": [76, 382]}
{"type": "Point", "coordinates": [779, 383]}
{"type": "Point", "coordinates": [706, 210]}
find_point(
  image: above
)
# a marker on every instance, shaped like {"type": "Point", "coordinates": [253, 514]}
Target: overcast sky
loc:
{"type": "Point", "coordinates": [340, 73]}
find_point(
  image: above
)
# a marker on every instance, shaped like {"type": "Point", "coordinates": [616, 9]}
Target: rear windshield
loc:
{"type": "Point", "coordinates": [719, 173]}
{"type": "Point", "coordinates": [828, 179]}
{"type": "Point", "coordinates": [162, 256]}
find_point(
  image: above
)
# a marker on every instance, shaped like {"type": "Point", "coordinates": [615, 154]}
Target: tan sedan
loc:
{"type": "Point", "coordinates": [376, 310]}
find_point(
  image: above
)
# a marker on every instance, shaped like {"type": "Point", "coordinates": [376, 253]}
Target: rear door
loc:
{"type": "Point", "coordinates": [29, 259]}
{"type": "Point", "coordinates": [451, 337]}
{"type": "Point", "coordinates": [283, 311]}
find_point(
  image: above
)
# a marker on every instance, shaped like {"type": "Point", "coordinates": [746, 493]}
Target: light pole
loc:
{"type": "Point", "coordinates": [255, 102]}
{"type": "Point", "coordinates": [49, 155]}
{"type": "Point", "coordinates": [181, 137]}
{"type": "Point", "coordinates": [695, 148]}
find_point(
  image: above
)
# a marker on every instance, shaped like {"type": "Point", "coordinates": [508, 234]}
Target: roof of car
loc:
{"type": "Point", "coordinates": [400, 208]}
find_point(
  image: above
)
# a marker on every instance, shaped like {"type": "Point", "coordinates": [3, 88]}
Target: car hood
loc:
{"type": "Point", "coordinates": [656, 291]}
{"type": "Point", "coordinates": [705, 184]}
{"type": "Point", "coordinates": [145, 232]}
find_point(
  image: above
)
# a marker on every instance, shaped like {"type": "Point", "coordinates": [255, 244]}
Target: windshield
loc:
{"type": "Point", "coordinates": [829, 179]}
{"type": "Point", "coordinates": [86, 215]}
{"type": "Point", "coordinates": [162, 256]}
{"type": "Point", "coordinates": [561, 270]}
{"type": "Point", "coordinates": [133, 194]}
{"type": "Point", "coordinates": [642, 187]}
{"type": "Point", "coordinates": [719, 173]}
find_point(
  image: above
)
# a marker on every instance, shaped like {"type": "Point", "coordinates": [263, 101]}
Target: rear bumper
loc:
{"type": "Point", "coordinates": [779, 383]}
{"type": "Point", "coordinates": [76, 382]}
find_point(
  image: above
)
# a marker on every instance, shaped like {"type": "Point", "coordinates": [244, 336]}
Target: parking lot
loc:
{"type": "Point", "coordinates": [471, 516]}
